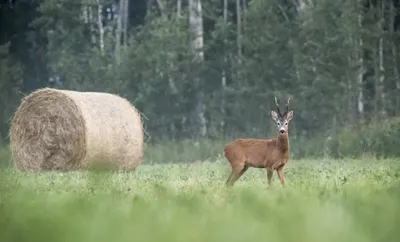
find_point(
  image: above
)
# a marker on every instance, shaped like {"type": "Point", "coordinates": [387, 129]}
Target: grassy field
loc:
{"type": "Point", "coordinates": [324, 200]}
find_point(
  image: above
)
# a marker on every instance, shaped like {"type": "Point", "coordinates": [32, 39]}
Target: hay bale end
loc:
{"type": "Point", "coordinates": [56, 129]}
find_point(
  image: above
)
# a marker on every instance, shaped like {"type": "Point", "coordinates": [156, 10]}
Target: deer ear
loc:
{"type": "Point", "coordinates": [289, 116]}
{"type": "Point", "coordinates": [274, 115]}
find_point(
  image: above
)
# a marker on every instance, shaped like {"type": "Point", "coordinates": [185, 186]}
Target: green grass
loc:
{"type": "Point", "coordinates": [324, 200]}
{"type": "Point", "coordinates": [184, 151]}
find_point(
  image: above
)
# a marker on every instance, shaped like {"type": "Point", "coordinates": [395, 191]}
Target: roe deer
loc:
{"type": "Point", "coordinates": [271, 154]}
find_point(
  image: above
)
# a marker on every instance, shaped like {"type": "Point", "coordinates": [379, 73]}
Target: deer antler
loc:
{"type": "Point", "coordinates": [277, 107]}
{"type": "Point", "coordinates": [287, 106]}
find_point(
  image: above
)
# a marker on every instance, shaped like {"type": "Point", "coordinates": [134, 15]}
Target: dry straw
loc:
{"type": "Point", "coordinates": [68, 130]}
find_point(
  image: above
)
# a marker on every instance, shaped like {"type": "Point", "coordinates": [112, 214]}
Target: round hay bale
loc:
{"type": "Point", "coordinates": [69, 130]}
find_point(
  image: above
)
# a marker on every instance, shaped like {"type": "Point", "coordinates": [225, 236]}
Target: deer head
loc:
{"type": "Point", "coordinates": [282, 120]}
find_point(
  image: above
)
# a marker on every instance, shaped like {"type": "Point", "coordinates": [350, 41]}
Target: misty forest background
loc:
{"type": "Point", "coordinates": [206, 71]}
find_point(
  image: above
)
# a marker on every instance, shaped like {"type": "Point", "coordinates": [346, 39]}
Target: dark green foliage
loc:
{"type": "Point", "coordinates": [10, 83]}
{"type": "Point", "coordinates": [380, 138]}
{"type": "Point", "coordinates": [5, 157]}
{"type": "Point", "coordinates": [312, 55]}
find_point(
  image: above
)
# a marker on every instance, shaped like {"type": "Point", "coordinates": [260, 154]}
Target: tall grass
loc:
{"type": "Point", "coordinates": [324, 200]}
{"type": "Point", "coordinates": [354, 142]}
{"type": "Point", "coordinates": [185, 151]}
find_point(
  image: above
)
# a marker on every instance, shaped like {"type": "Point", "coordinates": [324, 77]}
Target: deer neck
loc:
{"type": "Point", "coordinates": [282, 142]}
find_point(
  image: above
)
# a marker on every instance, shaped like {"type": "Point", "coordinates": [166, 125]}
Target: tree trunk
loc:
{"type": "Point", "coordinates": [381, 74]}
{"type": "Point", "coordinates": [148, 7]}
{"type": "Point", "coordinates": [396, 73]}
{"type": "Point", "coordinates": [196, 29]}
{"type": "Point", "coordinates": [376, 79]}
{"type": "Point", "coordinates": [379, 102]}
{"type": "Point", "coordinates": [125, 25]}
{"type": "Point", "coordinates": [223, 74]}
{"type": "Point", "coordinates": [118, 32]}
{"type": "Point", "coordinates": [171, 67]}
{"type": "Point", "coordinates": [361, 69]}
{"type": "Point", "coordinates": [239, 28]}
{"type": "Point", "coordinates": [178, 8]}
{"type": "Point", "coordinates": [161, 7]}
{"type": "Point", "coordinates": [381, 62]}
{"type": "Point", "coordinates": [350, 92]}
{"type": "Point", "coordinates": [225, 11]}
{"type": "Point", "coordinates": [244, 7]}
{"type": "Point", "coordinates": [100, 26]}
{"type": "Point", "coordinates": [90, 17]}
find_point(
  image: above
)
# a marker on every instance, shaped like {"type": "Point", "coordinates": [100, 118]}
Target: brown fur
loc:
{"type": "Point", "coordinates": [271, 154]}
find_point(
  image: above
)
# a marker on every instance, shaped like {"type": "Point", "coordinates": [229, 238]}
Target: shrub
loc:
{"type": "Point", "coordinates": [378, 138]}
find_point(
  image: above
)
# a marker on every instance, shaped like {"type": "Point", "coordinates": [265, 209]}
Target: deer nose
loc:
{"type": "Point", "coordinates": [282, 131]}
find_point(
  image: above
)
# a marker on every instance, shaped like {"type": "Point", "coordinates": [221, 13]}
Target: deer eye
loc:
{"type": "Point", "coordinates": [285, 123]}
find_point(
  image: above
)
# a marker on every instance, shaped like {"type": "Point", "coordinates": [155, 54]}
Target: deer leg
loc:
{"type": "Point", "coordinates": [236, 174]}
{"type": "Point", "coordinates": [270, 172]}
{"type": "Point", "coordinates": [228, 182]}
{"type": "Point", "coordinates": [281, 175]}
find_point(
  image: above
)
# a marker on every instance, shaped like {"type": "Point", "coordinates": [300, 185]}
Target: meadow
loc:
{"type": "Point", "coordinates": [324, 200]}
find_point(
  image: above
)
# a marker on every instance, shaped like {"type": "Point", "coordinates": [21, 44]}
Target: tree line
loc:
{"type": "Point", "coordinates": [211, 69]}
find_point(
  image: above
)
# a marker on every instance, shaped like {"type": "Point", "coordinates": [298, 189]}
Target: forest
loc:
{"type": "Point", "coordinates": [201, 73]}
{"type": "Point", "coordinates": [209, 70]}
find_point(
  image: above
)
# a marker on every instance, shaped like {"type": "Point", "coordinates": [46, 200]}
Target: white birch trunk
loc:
{"type": "Point", "coordinates": [361, 69]}
{"type": "Point", "coordinates": [379, 99]}
{"type": "Point", "coordinates": [125, 22]}
{"type": "Point", "coordinates": [376, 80]}
{"type": "Point", "coordinates": [161, 7]}
{"type": "Point", "coordinates": [196, 29]}
{"type": "Point", "coordinates": [196, 26]}
{"type": "Point", "coordinates": [223, 74]}
{"type": "Point", "coordinates": [382, 78]}
{"type": "Point", "coordinates": [381, 63]}
{"type": "Point", "coordinates": [225, 11]}
{"type": "Point", "coordinates": [100, 26]}
{"type": "Point", "coordinates": [85, 14]}
{"type": "Point", "coordinates": [179, 8]}
{"type": "Point", "coordinates": [91, 23]}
